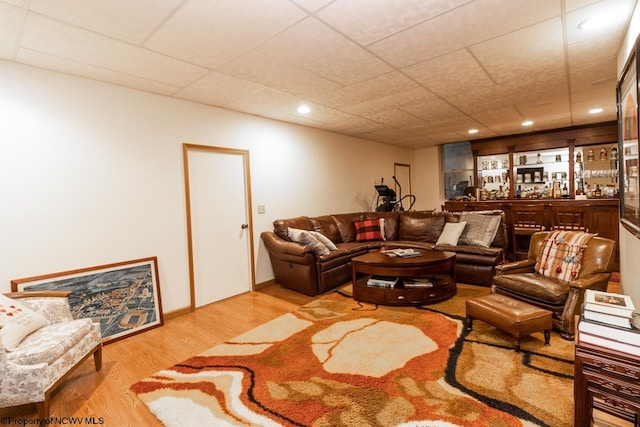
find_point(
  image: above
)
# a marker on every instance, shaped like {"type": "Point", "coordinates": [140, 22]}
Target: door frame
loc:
{"type": "Point", "coordinates": [186, 147]}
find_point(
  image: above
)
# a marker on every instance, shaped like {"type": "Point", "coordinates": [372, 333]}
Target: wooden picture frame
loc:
{"type": "Point", "coordinates": [123, 297]}
{"type": "Point", "coordinates": [628, 179]}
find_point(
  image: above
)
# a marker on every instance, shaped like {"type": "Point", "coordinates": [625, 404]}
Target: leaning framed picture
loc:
{"type": "Point", "coordinates": [123, 297]}
{"type": "Point", "coordinates": [627, 98]}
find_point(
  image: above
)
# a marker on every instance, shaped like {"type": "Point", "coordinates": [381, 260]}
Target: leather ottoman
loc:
{"type": "Point", "coordinates": [510, 315]}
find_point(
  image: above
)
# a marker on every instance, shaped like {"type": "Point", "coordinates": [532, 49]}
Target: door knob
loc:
{"type": "Point", "coordinates": [243, 226]}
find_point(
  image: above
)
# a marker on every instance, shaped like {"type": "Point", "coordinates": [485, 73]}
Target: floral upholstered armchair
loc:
{"type": "Point", "coordinates": [40, 345]}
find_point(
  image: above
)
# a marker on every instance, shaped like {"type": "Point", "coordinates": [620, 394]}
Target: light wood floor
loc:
{"type": "Point", "coordinates": [106, 394]}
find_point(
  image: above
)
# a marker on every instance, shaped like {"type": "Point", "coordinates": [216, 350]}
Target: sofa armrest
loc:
{"type": "Point", "coordinates": [517, 267]}
{"type": "Point", "coordinates": [21, 384]}
{"type": "Point", "coordinates": [276, 245]}
{"type": "Point", "coordinates": [598, 281]}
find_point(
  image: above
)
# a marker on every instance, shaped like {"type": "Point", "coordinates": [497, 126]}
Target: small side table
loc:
{"type": "Point", "coordinates": [606, 380]}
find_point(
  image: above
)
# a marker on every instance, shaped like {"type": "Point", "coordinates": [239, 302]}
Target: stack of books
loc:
{"type": "Point", "coordinates": [382, 281]}
{"type": "Point", "coordinates": [609, 320]}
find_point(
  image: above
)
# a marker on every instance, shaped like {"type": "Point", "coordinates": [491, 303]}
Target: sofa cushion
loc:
{"type": "Point", "coordinates": [326, 225]}
{"type": "Point", "coordinates": [369, 230]}
{"type": "Point", "coordinates": [561, 254]}
{"type": "Point", "coordinates": [304, 237]}
{"type": "Point", "coordinates": [480, 229]}
{"type": "Point", "coordinates": [421, 226]}
{"type": "Point", "coordinates": [281, 226]}
{"type": "Point", "coordinates": [533, 286]}
{"type": "Point", "coordinates": [344, 222]}
{"type": "Point", "coordinates": [17, 321]}
{"type": "Point", "coordinates": [391, 221]}
{"type": "Point", "coordinates": [451, 233]}
{"type": "Point", "coordinates": [49, 343]}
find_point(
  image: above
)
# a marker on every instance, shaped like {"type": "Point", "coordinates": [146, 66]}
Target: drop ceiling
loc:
{"type": "Point", "coordinates": [413, 73]}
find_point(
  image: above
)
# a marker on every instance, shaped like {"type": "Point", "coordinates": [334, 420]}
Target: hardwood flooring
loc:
{"type": "Point", "coordinates": [105, 394]}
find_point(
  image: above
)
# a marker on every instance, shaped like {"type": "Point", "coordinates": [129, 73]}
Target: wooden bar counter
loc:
{"type": "Point", "coordinates": [603, 213]}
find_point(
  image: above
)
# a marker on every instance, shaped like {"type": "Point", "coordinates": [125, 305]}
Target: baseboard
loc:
{"type": "Point", "coordinates": [263, 285]}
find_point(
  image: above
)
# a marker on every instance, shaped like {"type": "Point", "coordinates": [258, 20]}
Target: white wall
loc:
{"type": "Point", "coordinates": [629, 244]}
{"type": "Point", "coordinates": [91, 174]}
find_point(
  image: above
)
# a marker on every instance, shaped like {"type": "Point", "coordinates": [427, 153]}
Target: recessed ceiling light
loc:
{"type": "Point", "coordinates": [527, 123]}
{"type": "Point", "coordinates": [594, 23]}
{"type": "Point", "coordinates": [596, 110]}
{"type": "Point", "coordinates": [473, 131]}
{"type": "Point", "coordinates": [304, 109]}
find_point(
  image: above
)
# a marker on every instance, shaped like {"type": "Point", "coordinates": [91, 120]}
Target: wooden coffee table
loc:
{"type": "Point", "coordinates": [436, 266]}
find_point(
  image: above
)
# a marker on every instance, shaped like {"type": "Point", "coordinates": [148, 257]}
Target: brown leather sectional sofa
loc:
{"type": "Point", "coordinates": [298, 267]}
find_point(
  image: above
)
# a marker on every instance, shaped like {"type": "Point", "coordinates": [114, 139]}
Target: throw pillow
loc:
{"type": "Point", "coordinates": [561, 254]}
{"type": "Point", "coordinates": [451, 233]}
{"type": "Point", "coordinates": [16, 322]}
{"type": "Point", "coordinates": [305, 237]}
{"type": "Point", "coordinates": [368, 230]}
{"type": "Point", "coordinates": [325, 240]}
{"type": "Point", "coordinates": [480, 230]}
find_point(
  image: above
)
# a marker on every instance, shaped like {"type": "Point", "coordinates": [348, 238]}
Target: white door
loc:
{"type": "Point", "coordinates": [220, 243]}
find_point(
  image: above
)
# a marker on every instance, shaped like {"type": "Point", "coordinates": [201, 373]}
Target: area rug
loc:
{"type": "Point", "coordinates": [337, 362]}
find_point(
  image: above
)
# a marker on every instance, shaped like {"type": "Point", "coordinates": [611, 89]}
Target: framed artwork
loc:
{"type": "Point", "coordinates": [123, 297]}
{"type": "Point", "coordinates": [627, 98]}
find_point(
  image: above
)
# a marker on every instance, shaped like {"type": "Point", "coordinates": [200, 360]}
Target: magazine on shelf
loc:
{"type": "Point", "coordinates": [417, 282]}
{"type": "Point", "coordinates": [382, 281]}
{"type": "Point", "coordinates": [625, 335]}
{"type": "Point", "coordinates": [609, 299]}
{"type": "Point", "coordinates": [608, 343]}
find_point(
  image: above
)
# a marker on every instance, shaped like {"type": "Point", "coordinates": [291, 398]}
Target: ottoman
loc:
{"type": "Point", "coordinates": [510, 315]}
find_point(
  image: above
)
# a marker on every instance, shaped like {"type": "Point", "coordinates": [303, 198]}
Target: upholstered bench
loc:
{"type": "Point", "coordinates": [510, 315]}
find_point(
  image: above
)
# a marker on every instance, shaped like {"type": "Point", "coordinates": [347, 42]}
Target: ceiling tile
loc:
{"type": "Point", "coordinates": [217, 89]}
{"type": "Point", "coordinates": [377, 87]}
{"type": "Point", "coordinates": [11, 24]}
{"type": "Point", "coordinates": [604, 47]}
{"type": "Point", "coordinates": [46, 35]}
{"type": "Point", "coordinates": [453, 73]}
{"type": "Point", "coordinates": [55, 63]}
{"type": "Point", "coordinates": [390, 102]}
{"type": "Point", "coordinates": [397, 118]}
{"type": "Point", "coordinates": [19, 3]}
{"type": "Point", "coordinates": [532, 50]}
{"type": "Point", "coordinates": [315, 47]}
{"type": "Point", "coordinates": [587, 74]}
{"type": "Point", "coordinates": [462, 27]}
{"type": "Point", "coordinates": [266, 70]}
{"type": "Point", "coordinates": [311, 5]}
{"type": "Point", "coordinates": [367, 21]}
{"type": "Point", "coordinates": [264, 100]}
{"type": "Point", "coordinates": [132, 21]}
{"type": "Point", "coordinates": [211, 33]}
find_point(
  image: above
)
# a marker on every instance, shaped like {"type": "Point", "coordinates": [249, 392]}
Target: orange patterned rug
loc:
{"type": "Point", "coordinates": [335, 362]}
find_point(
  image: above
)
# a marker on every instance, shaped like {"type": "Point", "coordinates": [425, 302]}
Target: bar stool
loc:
{"type": "Point", "coordinates": [572, 218]}
{"type": "Point", "coordinates": [527, 219]}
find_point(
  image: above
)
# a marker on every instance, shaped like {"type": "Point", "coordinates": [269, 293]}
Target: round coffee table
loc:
{"type": "Point", "coordinates": [425, 279]}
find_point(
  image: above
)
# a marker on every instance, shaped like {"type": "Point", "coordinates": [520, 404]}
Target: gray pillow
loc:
{"type": "Point", "coordinates": [324, 239]}
{"type": "Point", "coordinates": [304, 237]}
{"type": "Point", "coordinates": [480, 229]}
{"type": "Point", "coordinates": [451, 233]}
